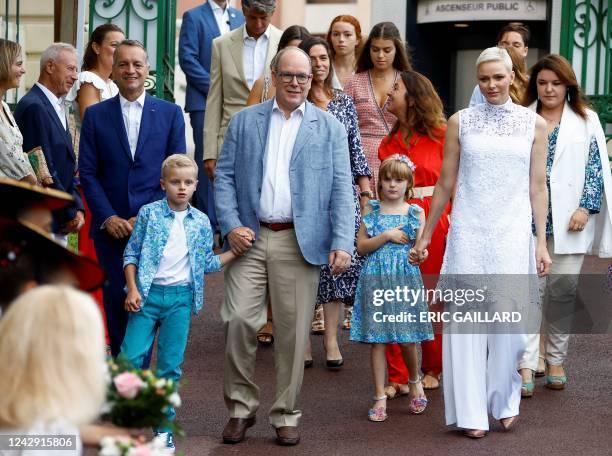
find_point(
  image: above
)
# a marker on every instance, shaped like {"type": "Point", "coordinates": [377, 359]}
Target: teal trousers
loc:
{"type": "Point", "coordinates": [167, 310]}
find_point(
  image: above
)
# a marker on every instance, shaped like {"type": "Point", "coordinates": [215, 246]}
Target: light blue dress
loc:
{"type": "Point", "coordinates": [396, 319]}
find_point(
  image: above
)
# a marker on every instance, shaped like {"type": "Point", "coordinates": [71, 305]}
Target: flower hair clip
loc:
{"type": "Point", "coordinates": [404, 159]}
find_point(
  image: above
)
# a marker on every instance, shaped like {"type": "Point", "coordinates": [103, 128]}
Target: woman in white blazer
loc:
{"type": "Point", "coordinates": [580, 206]}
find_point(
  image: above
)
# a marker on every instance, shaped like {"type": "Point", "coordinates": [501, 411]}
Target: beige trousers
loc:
{"type": "Point", "coordinates": [558, 290]}
{"type": "Point", "coordinates": [274, 264]}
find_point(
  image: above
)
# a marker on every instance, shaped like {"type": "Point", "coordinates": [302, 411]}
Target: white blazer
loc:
{"type": "Point", "coordinates": [567, 183]}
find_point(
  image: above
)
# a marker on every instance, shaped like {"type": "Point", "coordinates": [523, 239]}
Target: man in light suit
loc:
{"type": "Point", "coordinates": [239, 58]}
{"type": "Point", "coordinates": [41, 118]}
{"type": "Point", "coordinates": [285, 229]}
{"type": "Point", "coordinates": [124, 141]}
{"type": "Point", "coordinates": [200, 26]}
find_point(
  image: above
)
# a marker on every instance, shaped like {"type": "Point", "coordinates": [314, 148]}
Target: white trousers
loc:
{"type": "Point", "coordinates": [480, 377]}
{"type": "Point", "coordinates": [558, 291]}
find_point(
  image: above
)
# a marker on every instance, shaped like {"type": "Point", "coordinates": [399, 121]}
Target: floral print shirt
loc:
{"type": "Point", "coordinates": [592, 192]}
{"type": "Point", "coordinates": [342, 108]}
{"type": "Point", "coordinates": [149, 238]}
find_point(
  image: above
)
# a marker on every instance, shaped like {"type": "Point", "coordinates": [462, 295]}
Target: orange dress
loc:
{"type": "Point", "coordinates": [427, 155]}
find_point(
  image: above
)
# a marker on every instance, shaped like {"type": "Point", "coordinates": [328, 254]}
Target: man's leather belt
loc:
{"type": "Point", "coordinates": [277, 226]}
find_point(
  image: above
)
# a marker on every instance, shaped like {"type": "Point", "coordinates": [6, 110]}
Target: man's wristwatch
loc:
{"type": "Point", "coordinates": [367, 193]}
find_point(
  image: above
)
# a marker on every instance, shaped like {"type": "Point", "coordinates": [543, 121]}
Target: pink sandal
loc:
{"type": "Point", "coordinates": [378, 414]}
{"type": "Point", "coordinates": [417, 404]}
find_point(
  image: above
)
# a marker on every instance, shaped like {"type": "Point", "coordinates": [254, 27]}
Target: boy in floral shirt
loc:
{"type": "Point", "coordinates": [165, 260]}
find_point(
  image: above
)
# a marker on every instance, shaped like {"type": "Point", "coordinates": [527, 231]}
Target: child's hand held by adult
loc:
{"type": "Point", "coordinates": [132, 301]}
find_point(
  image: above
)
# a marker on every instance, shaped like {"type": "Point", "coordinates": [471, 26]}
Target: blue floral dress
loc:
{"type": "Point", "coordinates": [342, 287]}
{"type": "Point", "coordinates": [592, 192]}
{"type": "Point", "coordinates": [380, 319]}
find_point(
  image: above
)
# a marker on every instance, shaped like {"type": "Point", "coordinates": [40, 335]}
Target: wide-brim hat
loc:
{"type": "Point", "coordinates": [16, 195]}
{"type": "Point", "coordinates": [21, 236]}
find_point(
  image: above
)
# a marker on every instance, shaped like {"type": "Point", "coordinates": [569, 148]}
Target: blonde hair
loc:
{"type": "Point", "coordinates": [495, 54]}
{"type": "Point", "coordinates": [392, 168]}
{"type": "Point", "coordinates": [519, 85]}
{"type": "Point", "coordinates": [9, 50]}
{"type": "Point", "coordinates": [52, 363]}
{"type": "Point", "coordinates": [178, 161]}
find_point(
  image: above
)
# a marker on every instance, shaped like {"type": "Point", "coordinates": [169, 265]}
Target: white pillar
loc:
{"type": "Point", "coordinates": [80, 31]}
{"type": "Point", "coordinates": [555, 26]}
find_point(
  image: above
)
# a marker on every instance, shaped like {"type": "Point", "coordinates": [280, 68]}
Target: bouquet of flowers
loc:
{"type": "Point", "coordinates": [125, 446]}
{"type": "Point", "coordinates": [137, 399]}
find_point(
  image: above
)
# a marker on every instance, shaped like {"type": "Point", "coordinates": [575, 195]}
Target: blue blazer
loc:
{"type": "Point", "coordinates": [198, 30]}
{"type": "Point", "coordinates": [40, 126]}
{"type": "Point", "coordinates": [113, 182]}
{"type": "Point", "coordinates": [319, 175]}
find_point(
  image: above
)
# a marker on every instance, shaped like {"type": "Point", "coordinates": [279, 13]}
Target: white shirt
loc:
{"type": "Point", "coordinates": [254, 55]}
{"type": "Point", "coordinates": [275, 199]}
{"type": "Point", "coordinates": [132, 115]}
{"type": "Point", "coordinates": [221, 16]}
{"type": "Point", "coordinates": [57, 103]}
{"type": "Point", "coordinates": [174, 267]}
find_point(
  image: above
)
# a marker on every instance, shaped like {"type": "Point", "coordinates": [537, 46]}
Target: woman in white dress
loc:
{"type": "Point", "coordinates": [94, 83]}
{"type": "Point", "coordinates": [495, 157]}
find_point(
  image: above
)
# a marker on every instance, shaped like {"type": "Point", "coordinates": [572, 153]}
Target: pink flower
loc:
{"type": "Point", "coordinates": [128, 384]}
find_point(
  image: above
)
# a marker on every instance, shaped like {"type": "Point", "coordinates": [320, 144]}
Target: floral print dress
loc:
{"type": "Point", "coordinates": [342, 287]}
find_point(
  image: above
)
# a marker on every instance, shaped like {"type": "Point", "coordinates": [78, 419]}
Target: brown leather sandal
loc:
{"type": "Point", "coordinates": [265, 335]}
{"type": "Point", "coordinates": [318, 321]}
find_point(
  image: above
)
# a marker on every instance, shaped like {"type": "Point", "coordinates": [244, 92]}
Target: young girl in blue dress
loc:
{"type": "Point", "coordinates": [381, 314]}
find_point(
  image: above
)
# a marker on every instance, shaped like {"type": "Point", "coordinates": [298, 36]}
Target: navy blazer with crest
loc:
{"type": "Point", "coordinates": [115, 183]}
{"type": "Point", "coordinates": [40, 126]}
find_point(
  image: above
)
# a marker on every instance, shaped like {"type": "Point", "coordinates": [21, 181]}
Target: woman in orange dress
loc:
{"type": "Point", "coordinates": [419, 134]}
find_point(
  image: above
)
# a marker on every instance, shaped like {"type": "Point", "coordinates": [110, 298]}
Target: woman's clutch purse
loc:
{"type": "Point", "coordinates": [38, 162]}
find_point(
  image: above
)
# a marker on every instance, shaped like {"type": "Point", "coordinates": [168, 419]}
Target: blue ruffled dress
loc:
{"type": "Point", "coordinates": [390, 304]}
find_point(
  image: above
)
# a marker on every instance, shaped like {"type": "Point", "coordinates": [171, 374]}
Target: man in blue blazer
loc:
{"type": "Point", "coordinates": [41, 118]}
{"type": "Point", "coordinates": [284, 201]}
{"type": "Point", "coordinates": [201, 25]}
{"type": "Point", "coordinates": [124, 141]}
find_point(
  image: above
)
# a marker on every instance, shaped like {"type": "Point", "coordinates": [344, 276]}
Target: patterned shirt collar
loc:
{"type": "Point", "coordinates": [168, 212]}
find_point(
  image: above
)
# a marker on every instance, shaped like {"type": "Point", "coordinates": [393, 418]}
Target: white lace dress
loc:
{"type": "Point", "coordinates": [491, 219]}
{"type": "Point", "coordinates": [490, 236]}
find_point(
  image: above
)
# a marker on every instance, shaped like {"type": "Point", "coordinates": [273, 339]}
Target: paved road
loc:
{"type": "Point", "coordinates": [577, 421]}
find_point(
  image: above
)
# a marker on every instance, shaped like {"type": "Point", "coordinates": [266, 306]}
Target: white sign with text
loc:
{"type": "Point", "coordinates": [475, 10]}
